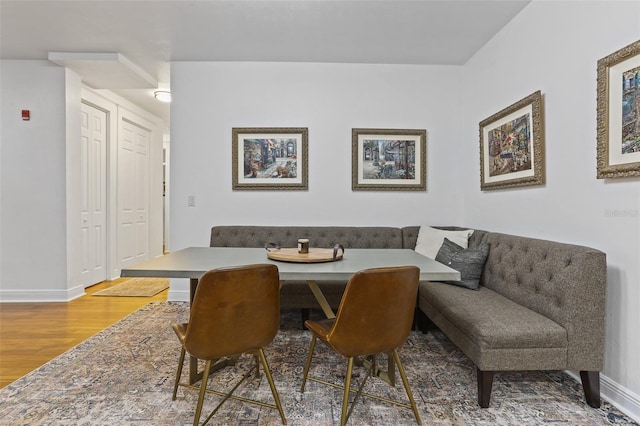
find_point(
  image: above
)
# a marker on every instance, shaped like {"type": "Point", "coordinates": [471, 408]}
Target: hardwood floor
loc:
{"type": "Point", "coordinates": [31, 334]}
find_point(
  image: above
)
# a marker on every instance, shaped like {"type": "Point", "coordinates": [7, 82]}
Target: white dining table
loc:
{"type": "Point", "coordinates": [193, 262]}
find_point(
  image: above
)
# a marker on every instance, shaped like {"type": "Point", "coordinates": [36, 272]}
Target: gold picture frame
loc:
{"type": "Point", "coordinates": [389, 160]}
{"type": "Point", "coordinates": [270, 158]}
{"type": "Point", "coordinates": [512, 146]}
{"type": "Point", "coordinates": [618, 123]}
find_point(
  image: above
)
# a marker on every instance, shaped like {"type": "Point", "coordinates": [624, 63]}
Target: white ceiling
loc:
{"type": "Point", "coordinates": [151, 33]}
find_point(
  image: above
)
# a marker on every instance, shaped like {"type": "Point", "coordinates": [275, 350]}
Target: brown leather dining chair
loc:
{"type": "Point", "coordinates": [235, 311]}
{"type": "Point", "coordinates": [375, 316]}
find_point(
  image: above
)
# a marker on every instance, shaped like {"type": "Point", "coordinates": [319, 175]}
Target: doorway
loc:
{"type": "Point", "coordinates": [93, 196]}
{"type": "Point", "coordinates": [120, 207]}
{"type": "Point", "coordinates": [133, 188]}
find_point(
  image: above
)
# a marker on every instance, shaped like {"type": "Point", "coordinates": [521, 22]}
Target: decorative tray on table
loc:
{"type": "Point", "coordinates": [315, 255]}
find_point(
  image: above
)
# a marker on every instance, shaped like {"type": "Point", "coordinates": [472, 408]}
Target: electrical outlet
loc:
{"type": "Point", "coordinates": [191, 200]}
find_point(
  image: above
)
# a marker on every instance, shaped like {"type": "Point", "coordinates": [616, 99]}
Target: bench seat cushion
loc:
{"type": "Point", "coordinates": [494, 332]}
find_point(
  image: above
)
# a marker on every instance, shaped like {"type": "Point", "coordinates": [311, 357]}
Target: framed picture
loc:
{"type": "Point", "coordinates": [270, 158]}
{"type": "Point", "coordinates": [512, 146]}
{"type": "Point", "coordinates": [618, 113]}
{"type": "Point", "coordinates": [389, 160]}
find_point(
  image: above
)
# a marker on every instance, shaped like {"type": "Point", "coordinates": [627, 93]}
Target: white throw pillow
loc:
{"type": "Point", "coordinates": [430, 240]}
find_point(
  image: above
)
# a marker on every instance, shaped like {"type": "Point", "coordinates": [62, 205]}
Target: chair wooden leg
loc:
{"type": "Point", "coordinates": [178, 374]}
{"type": "Point", "coordinates": [272, 385]}
{"type": "Point", "coordinates": [407, 389]}
{"type": "Point", "coordinates": [347, 389]}
{"type": "Point", "coordinates": [485, 382]}
{"type": "Point", "coordinates": [203, 389]}
{"type": "Point", "coordinates": [312, 347]}
{"type": "Point", "coordinates": [591, 387]}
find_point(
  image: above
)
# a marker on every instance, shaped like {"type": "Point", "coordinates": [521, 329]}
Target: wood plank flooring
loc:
{"type": "Point", "coordinates": [31, 334]}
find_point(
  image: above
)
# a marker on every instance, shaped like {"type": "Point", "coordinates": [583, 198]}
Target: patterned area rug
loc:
{"type": "Point", "coordinates": [124, 376]}
{"type": "Point", "coordinates": [136, 287]}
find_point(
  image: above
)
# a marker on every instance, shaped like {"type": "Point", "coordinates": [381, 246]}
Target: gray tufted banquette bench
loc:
{"type": "Point", "coordinates": [540, 305]}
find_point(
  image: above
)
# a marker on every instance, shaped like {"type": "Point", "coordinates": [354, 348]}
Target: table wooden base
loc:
{"type": "Point", "coordinates": [317, 293]}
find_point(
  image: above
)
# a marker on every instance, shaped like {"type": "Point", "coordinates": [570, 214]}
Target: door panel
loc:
{"type": "Point", "coordinates": [93, 195]}
{"type": "Point", "coordinates": [133, 194]}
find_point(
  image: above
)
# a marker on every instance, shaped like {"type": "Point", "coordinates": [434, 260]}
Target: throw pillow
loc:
{"type": "Point", "coordinates": [430, 239]}
{"type": "Point", "coordinates": [468, 262]}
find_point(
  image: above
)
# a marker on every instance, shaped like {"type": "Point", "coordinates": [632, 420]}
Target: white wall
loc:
{"type": "Point", "coordinates": [209, 99]}
{"type": "Point", "coordinates": [39, 180]}
{"type": "Point", "coordinates": [550, 46]}
{"type": "Point", "coordinates": [554, 47]}
{"type": "Point", "coordinates": [33, 181]}
{"type": "Point", "coordinates": [73, 88]}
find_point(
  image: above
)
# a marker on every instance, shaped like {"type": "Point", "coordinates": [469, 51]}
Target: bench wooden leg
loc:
{"type": "Point", "coordinates": [423, 322]}
{"type": "Point", "coordinates": [591, 387]}
{"type": "Point", "coordinates": [485, 382]}
{"type": "Point", "coordinates": [304, 315]}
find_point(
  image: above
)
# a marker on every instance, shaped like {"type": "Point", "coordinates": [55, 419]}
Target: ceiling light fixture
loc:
{"type": "Point", "coordinates": [162, 95]}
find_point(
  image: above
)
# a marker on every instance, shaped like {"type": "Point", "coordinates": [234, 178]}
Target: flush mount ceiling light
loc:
{"type": "Point", "coordinates": [162, 95]}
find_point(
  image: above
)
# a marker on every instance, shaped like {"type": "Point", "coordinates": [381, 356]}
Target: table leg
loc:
{"type": "Point", "coordinates": [193, 283]}
{"type": "Point", "coordinates": [194, 376]}
{"type": "Point", "coordinates": [391, 371]}
{"type": "Point", "coordinates": [315, 289]}
{"type": "Point", "coordinates": [388, 376]}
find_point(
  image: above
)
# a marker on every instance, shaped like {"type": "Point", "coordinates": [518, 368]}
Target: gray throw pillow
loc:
{"type": "Point", "coordinates": [469, 262]}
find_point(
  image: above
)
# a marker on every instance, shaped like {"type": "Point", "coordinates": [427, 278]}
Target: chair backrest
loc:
{"type": "Point", "coordinates": [234, 310]}
{"type": "Point", "coordinates": [376, 311]}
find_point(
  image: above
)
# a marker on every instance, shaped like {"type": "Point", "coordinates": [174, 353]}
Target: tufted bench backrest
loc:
{"type": "Point", "coordinates": [564, 282]}
{"type": "Point", "coordinates": [319, 236]}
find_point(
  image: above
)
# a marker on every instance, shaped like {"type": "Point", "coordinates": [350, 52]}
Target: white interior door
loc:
{"type": "Point", "coordinates": [133, 193]}
{"type": "Point", "coordinates": [93, 216]}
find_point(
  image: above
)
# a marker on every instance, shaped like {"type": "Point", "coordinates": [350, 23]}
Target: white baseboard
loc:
{"type": "Point", "coordinates": [178, 295]}
{"type": "Point", "coordinates": [618, 396]}
{"type": "Point", "coordinates": [17, 296]}
{"type": "Point", "coordinates": [179, 290]}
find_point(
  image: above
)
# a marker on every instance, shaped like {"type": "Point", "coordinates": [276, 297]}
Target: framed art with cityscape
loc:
{"type": "Point", "coordinates": [512, 145]}
{"type": "Point", "coordinates": [389, 160]}
{"type": "Point", "coordinates": [618, 123]}
{"type": "Point", "coordinates": [270, 158]}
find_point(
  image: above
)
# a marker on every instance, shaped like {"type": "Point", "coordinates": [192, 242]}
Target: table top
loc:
{"type": "Point", "coordinates": [193, 262]}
